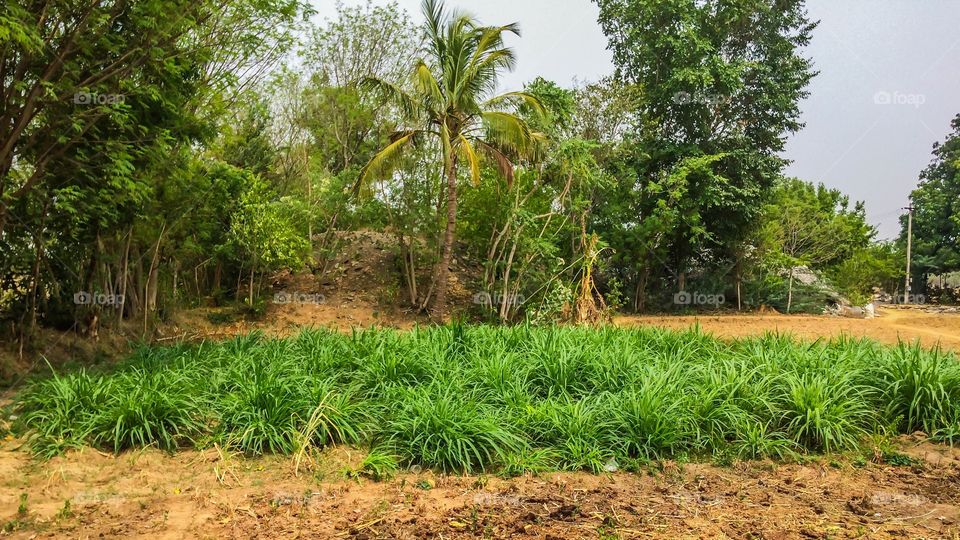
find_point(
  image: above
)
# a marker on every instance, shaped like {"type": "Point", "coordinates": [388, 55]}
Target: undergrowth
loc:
{"type": "Point", "coordinates": [512, 400]}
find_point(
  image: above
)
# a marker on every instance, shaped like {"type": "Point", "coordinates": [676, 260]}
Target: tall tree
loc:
{"type": "Point", "coordinates": [451, 100]}
{"type": "Point", "coordinates": [84, 84]}
{"type": "Point", "coordinates": [105, 108]}
{"type": "Point", "coordinates": [936, 220]}
{"type": "Point", "coordinates": [719, 82]}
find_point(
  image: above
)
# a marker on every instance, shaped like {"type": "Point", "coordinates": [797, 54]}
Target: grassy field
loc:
{"type": "Point", "coordinates": [507, 400]}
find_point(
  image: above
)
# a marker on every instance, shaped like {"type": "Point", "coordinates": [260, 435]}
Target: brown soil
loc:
{"type": "Point", "coordinates": [890, 326]}
{"type": "Point", "coordinates": [207, 494]}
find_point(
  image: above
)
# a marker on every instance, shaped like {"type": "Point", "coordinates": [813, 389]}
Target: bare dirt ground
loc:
{"type": "Point", "coordinates": [206, 494]}
{"type": "Point", "coordinates": [890, 325]}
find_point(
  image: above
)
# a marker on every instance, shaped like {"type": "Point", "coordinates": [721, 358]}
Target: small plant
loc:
{"type": "Point", "coordinates": [898, 459]}
{"type": "Point", "coordinates": [529, 462]}
{"type": "Point", "coordinates": [949, 434]}
{"type": "Point", "coordinates": [66, 511]}
{"type": "Point", "coordinates": [22, 509]}
{"type": "Point", "coordinates": [441, 429]}
{"type": "Point", "coordinates": [823, 412]}
{"type": "Point", "coordinates": [608, 529]}
{"type": "Point", "coordinates": [379, 466]}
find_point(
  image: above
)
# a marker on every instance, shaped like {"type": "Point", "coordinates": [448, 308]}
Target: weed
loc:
{"type": "Point", "coordinates": [424, 485]}
{"type": "Point", "coordinates": [529, 462]}
{"type": "Point", "coordinates": [898, 459]}
{"type": "Point", "coordinates": [379, 466]}
{"type": "Point", "coordinates": [66, 512]}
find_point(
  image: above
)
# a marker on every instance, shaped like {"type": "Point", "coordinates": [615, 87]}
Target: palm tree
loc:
{"type": "Point", "coordinates": [449, 101]}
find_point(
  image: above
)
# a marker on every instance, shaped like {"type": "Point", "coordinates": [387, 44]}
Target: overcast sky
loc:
{"type": "Point", "coordinates": [888, 87]}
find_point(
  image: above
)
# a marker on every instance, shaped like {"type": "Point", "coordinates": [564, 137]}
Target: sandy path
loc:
{"type": "Point", "coordinates": [890, 326]}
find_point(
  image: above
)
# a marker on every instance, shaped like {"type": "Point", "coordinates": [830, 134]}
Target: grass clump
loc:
{"type": "Point", "coordinates": [512, 400]}
{"type": "Point", "coordinates": [442, 428]}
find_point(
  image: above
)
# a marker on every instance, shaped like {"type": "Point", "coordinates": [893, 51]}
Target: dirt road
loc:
{"type": "Point", "coordinates": [889, 326]}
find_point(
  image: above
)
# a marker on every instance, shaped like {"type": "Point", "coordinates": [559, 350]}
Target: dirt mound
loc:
{"type": "Point", "coordinates": [361, 286]}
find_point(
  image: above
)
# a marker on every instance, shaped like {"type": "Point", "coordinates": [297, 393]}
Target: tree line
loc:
{"type": "Point", "coordinates": [158, 154]}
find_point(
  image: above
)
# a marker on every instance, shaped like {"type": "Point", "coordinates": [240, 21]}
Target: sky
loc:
{"type": "Point", "coordinates": [889, 84]}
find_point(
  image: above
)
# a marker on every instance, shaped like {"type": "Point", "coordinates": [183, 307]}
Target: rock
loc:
{"type": "Point", "coordinates": [852, 312]}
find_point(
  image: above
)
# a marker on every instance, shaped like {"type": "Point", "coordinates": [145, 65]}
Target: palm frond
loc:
{"type": "Point", "coordinates": [427, 85]}
{"type": "Point", "coordinates": [393, 94]}
{"type": "Point", "coordinates": [384, 161]}
{"type": "Point", "coordinates": [501, 161]}
{"type": "Point", "coordinates": [481, 77]}
{"type": "Point", "coordinates": [469, 153]}
{"type": "Point", "coordinates": [517, 98]}
{"type": "Point", "coordinates": [505, 130]}
{"type": "Point", "coordinates": [435, 16]}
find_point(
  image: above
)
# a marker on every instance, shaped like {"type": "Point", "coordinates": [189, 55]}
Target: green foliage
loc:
{"type": "Point", "coordinates": [513, 400]}
{"type": "Point", "coordinates": [111, 118]}
{"type": "Point", "coordinates": [923, 389]}
{"type": "Point", "coordinates": [529, 462]}
{"type": "Point", "coordinates": [438, 428]}
{"type": "Point", "coordinates": [824, 411]}
{"type": "Point", "coordinates": [876, 266]}
{"type": "Point", "coordinates": [707, 119]}
{"type": "Point", "coordinates": [936, 222]}
{"type": "Point", "coordinates": [447, 104]}
{"type": "Point", "coordinates": [265, 231]}
{"type": "Point", "coordinates": [803, 225]}
{"type": "Point", "coordinates": [379, 466]}
{"type": "Point", "coordinates": [148, 408]}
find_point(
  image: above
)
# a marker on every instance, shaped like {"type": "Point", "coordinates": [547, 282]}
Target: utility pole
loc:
{"type": "Point", "coordinates": [906, 287]}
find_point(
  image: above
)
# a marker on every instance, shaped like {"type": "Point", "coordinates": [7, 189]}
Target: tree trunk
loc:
{"type": "Point", "coordinates": [310, 215]}
{"type": "Point", "coordinates": [150, 287]}
{"type": "Point", "coordinates": [739, 280]}
{"type": "Point", "coordinates": [409, 266]}
{"type": "Point", "coordinates": [124, 278]}
{"type": "Point", "coordinates": [439, 306]}
{"type": "Point", "coordinates": [505, 302]}
{"type": "Point", "coordinates": [35, 275]}
{"type": "Point", "coordinates": [790, 291]}
{"type": "Point", "coordinates": [217, 274]}
{"type": "Point", "coordinates": [250, 297]}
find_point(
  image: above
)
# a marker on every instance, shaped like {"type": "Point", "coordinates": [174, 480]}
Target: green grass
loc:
{"type": "Point", "coordinates": [507, 400]}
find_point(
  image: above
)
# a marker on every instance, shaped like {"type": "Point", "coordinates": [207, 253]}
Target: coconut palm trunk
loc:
{"type": "Point", "coordinates": [439, 305]}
